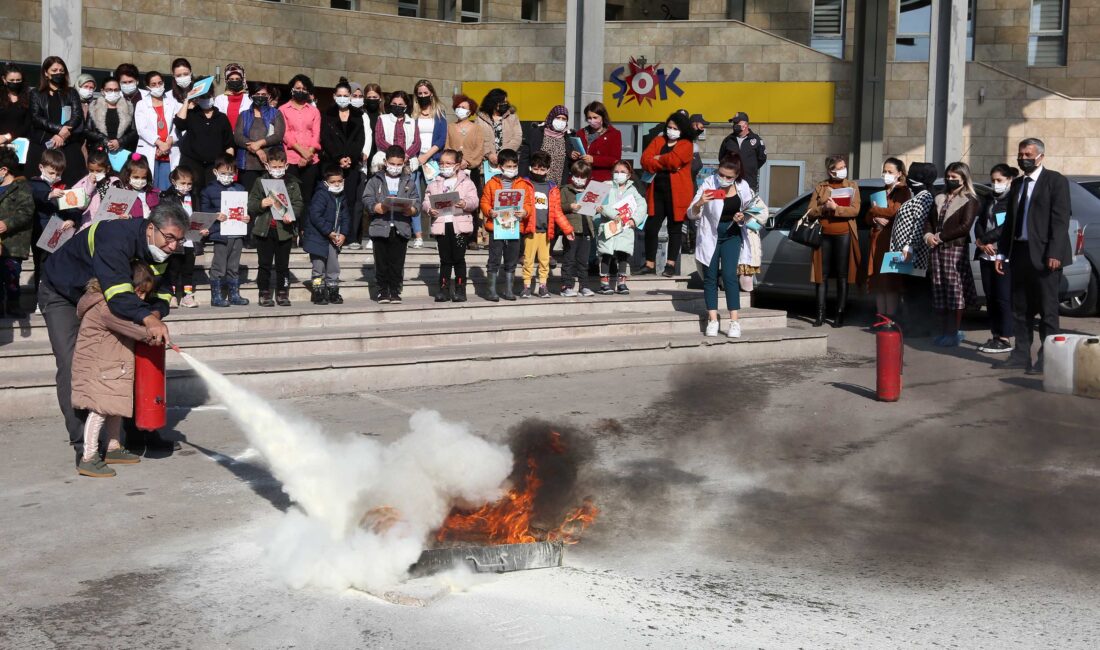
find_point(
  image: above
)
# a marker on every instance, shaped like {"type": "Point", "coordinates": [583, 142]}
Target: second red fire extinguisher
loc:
{"type": "Point", "coordinates": [150, 394]}
{"type": "Point", "coordinates": [889, 359]}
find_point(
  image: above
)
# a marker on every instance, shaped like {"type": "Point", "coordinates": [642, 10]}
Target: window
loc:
{"type": "Point", "coordinates": [1046, 40]}
{"type": "Point", "coordinates": [408, 8]}
{"type": "Point", "coordinates": [530, 10]}
{"type": "Point", "coordinates": [914, 24]}
{"type": "Point", "coordinates": [735, 10]}
{"type": "Point", "coordinates": [471, 11]}
{"type": "Point", "coordinates": [350, 5]}
{"type": "Point", "coordinates": [827, 32]}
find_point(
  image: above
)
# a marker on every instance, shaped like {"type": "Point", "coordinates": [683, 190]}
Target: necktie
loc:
{"type": "Point", "coordinates": [1021, 210]}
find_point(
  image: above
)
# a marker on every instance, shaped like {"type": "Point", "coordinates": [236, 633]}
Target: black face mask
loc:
{"type": "Point", "coordinates": [300, 96]}
{"type": "Point", "coordinates": [504, 108]}
{"type": "Point", "coordinates": [260, 101]}
{"type": "Point", "coordinates": [15, 86]}
{"type": "Point", "coordinates": [951, 186]}
{"type": "Point", "coordinates": [59, 78]}
{"type": "Point", "coordinates": [538, 178]}
{"type": "Point", "coordinates": [236, 85]}
{"type": "Point", "coordinates": [1027, 165]}
{"type": "Point", "coordinates": [372, 105]}
{"type": "Point", "coordinates": [424, 102]}
{"type": "Point", "coordinates": [397, 110]}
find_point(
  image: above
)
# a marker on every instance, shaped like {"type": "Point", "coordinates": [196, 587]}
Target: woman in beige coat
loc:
{"type": "Point", "coordinates": [835, 203]}
{"type": "Point", "coordinates": [103, 373]}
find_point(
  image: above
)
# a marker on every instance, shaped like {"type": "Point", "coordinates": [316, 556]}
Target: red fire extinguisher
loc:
{"type": "Point", "coordinates": [150, 404]}
{"type": "Point", "coordinates": [889, 359]}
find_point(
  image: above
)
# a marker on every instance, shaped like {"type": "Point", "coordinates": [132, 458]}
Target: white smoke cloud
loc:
{"type": "Point", "coordinates": [337, 480]}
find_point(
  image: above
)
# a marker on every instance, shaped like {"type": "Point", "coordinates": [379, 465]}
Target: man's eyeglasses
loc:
{"type": "Point", "coordinates": [168, 239]}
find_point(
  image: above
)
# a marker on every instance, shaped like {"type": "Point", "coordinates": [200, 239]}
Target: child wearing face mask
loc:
{"type": "Point", "coordinates": [274, 238]}
{"type": "Point", "coordinates": [616, 227]}
{"type": "Point", "coordinates": [224, 269]}
{"type": "Point", "coordinates": [326, 232]}
{"type": "Point", "coordinates": [451, 230]}
{"type": "Point", "coordinates": [390, 228]}
{"type": "Point", "coordinates": [576, 251]}
{"type": "Point", "coordinates": [46, 188]}
{"type": "Point", "coordinates": [95, 185]}
{"type": "Point", "coordinates": [181, 265]}
{"type": "Point", "coordinates": [538, 226]}
{"type": "Point", "coordinates": [137, 176]}
{"type": "Point", "coordinates": [504, 253]}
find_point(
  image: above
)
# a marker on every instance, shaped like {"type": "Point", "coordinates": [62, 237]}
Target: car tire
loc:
{"type": "Point", "coordinates": [1084, 305]}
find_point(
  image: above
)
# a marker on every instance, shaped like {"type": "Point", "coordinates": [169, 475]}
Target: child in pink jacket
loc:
{"type": "Point", "coordinates": [95, 185]}
{"type": "Point", "coordinates": [452, 225]}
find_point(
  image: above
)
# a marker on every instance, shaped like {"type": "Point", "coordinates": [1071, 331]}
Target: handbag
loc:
{"type": "Point", "coordinates": [806, 231]}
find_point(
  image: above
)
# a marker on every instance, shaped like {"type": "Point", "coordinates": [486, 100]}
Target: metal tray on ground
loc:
{"type": "Point", "coordinates": [501, 558]}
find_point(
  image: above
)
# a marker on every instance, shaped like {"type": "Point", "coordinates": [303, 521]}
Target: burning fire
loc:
{"type": "Point", "coordinates": [508, 521]}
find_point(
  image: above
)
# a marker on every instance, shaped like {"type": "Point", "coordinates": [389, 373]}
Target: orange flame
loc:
{"type": "Point", "coordinates": [508, 521]}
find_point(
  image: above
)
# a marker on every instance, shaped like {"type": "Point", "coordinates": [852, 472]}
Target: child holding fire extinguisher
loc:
{"type": "Point", "coordinates": [103, 373]}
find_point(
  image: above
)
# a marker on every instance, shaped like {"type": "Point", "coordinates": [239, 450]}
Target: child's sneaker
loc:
{"type": "Point", "coordinates": [712, 328]}
{"type": "Point", "coordinates": [605, 289]}
{"type": "Point", "coordinates": [189, 301]}
{"type": "Point", "coordinates": [543, 292]}
{"type": "Point", "coordinates": [734, 331]}
{"type": "Point", "coordinates": [94, 468]}
{"type": "Point", "coordinates": [121, 457]}
{"type": "Point", "coordinates": [569, 292]}
{"type": "Point", "coordinates": [369, 246]}
{"type": "Point", "coordinates": [587, 293]}
{"type": "Point", "coordinates": [418, 243]}
{"type": "Point", "coordinates": [622, 288]}
{"type": "Point", "coordinates": [526, 293]}
{"type": "Point", "coordinates": [354, 246]}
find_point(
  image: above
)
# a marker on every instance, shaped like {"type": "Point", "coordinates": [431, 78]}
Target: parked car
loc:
{"type": "Point", "coordinates": [785, 267]}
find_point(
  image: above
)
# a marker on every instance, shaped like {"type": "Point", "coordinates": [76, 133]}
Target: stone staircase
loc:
{"type": "Point", "coordinates": [360, 346]}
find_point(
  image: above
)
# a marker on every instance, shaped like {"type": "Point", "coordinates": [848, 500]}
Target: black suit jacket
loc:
{"type": "Point", "coordinates": [1047, 221]}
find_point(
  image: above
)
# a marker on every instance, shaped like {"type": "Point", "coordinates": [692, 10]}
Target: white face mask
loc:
{"type": "Point", "coordinates": [357, 102]}
{"type": "Point", "coordinates": [462, 113]}
{"type": "Point", "coordinates": [183, 189]}
{"type": "Point", "coordinates": [447, 172]}
{"type": "Point", "coordinates": [157, 91]}
{"type": "Point", "coordinates": [112, 96]}
{"type": "Point", "coordinates": [620, 178]}
{"type": "Point", "coordinates": [724, 182]}
{"type": "Point", "coordinates": [138, 183]}
{"type": "Point", "coordinates": [840, 174]}
{"type": "Point", "coordinates": [342, 101]}
{"type": "Point", "coordinates": [889, 179]}
{"type": "Point", "coordinates": [184, 81]}
{"type": "Point", "coordinates": [560, 125]}
{"type": "Point", "coordinates": [672, 134]}
{"type": "Point", "coordinates": [579, 182]}
{"type": "Point", "coordinates": [394, 170]}
{"type": "Point", "coordinates": [335, 188]}
{"type": "Point", "coordinates": [99, 176]}
{"type": "Point", "coordinates": [1000, 188]}
{"type": "Point", "coordinates": [276, 172]}
{"type": "Point", "coordinates": [128, 88]}
{"type": "Point", "coordinates": [225, 179]}
{"type": "Point", "coordinates": [510, 173]}
{"type": "Point", "coordinates": [46, 176]}
{"type": "Point", "coordinates": [85, 93]}
{"type": "Point", "coordinates": [158, 255]}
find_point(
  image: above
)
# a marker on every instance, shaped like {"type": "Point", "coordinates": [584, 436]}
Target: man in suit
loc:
{"type": "Point", "coordinates": [1035, 242]}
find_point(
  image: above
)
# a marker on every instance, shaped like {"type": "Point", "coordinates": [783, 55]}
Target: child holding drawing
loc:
{"type": "Point", "coordinates": [274, 227]}
{"type": "Point", "coordinates": [502, 221]}
{"type": "Point", "coordinates": [623, 211]}
{"type": "Point", "coordinates": [453, 225]}
{"type": "Point", "coordinates": [224, 269]}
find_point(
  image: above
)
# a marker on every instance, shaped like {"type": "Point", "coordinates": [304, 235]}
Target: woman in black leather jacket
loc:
{"type": "Point", "coordinates": [48, 105]}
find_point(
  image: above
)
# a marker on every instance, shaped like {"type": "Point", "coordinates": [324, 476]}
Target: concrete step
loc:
{"type": "Point", "coordinates": [538, 332]}
{"type": "Point", "coordinates": [326, 374]}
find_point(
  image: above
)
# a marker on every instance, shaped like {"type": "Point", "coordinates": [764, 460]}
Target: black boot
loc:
{"type": "Point", "coordinates": [334, 297]}
{"type": "Point", "coordinates": [841, 301]}
{"type": "Point", "coordinates": [819, 288]}
{"type": "Point", "coordinates": [492, 296]}
{"type": "Point", "coordinates": [460, 290]}
{"type": "Point", "coordinates": [509, 284]}
{"type": "Point", "coordinates": [443, 294]}
{"type": "Point", "coordinates": [319, 293]}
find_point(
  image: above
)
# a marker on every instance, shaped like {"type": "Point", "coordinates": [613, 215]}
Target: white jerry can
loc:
{"type": "Point", "coordinates": [1086, 376]}
{"type": "Point", "coordinates": [1059, 358]}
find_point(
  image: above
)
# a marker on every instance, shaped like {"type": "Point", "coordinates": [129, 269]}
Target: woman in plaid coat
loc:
{"type": "Point", "coordinates": [947, 234]}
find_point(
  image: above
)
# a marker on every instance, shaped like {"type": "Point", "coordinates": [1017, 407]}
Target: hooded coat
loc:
{"type": "Point", "coordinates": [103, 360]}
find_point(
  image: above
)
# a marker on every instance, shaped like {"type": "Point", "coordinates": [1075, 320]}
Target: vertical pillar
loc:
{"type": "Point", "coordinates": [870, 86]}
{"type": "Point", "coordinates": [62, 32]}
{"type": "Point", "coordinates": [584, 38]}
{"type": "Point", "coordinates": [946, 82]}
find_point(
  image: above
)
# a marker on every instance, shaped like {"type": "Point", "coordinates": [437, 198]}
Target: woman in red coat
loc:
{"type": "Point", "coordinates": [603, 143]}
{"type": "Point", "coordinates": [668, 157]}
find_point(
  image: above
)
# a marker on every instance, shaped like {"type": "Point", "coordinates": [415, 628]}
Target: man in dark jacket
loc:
{"type": "Point", "coordinates": [104, 252]}
{"type": "Point", "coordinates": [749, 145]}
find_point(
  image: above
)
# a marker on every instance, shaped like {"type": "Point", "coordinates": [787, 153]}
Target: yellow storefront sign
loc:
{"type": "Point", "coordinates": [766, 102]}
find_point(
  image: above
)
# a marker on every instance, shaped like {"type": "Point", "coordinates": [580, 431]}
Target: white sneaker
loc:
{"type": "Point", "coordinates": [369, 245]}
{"type": "Point", "coordinates": [712, 328]}
{"type": "Point", "coordinates": [418, 242]}
{"type": "Point", "coordinates": [734, 331]}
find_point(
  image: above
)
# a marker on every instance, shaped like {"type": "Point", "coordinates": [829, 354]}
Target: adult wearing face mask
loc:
{"type": "Point", "coordinates": [303, 135]}
{"type": "Point", "coordinates": [368, 99]}
{"type": "Point", "coordinates": [111, 121]}
{"type": "Point", "coordinates": [86, 87]}
{"type": "Point", "coordinates": [342, 141]}
{"type": "Point", "coordinates": [15, 106]}
{"type": "Point", "coordinates": [886, 286]}
{"type": "Point", "coordinates": [552, 136]}
{"type": "Point", "coordinates": [500, 127]}
{"type": "Point", "coordinates": [998, 288]}
{"type": "Point", "coordinates": [602, 141]}
{"type": "Point", "coordinates": [235, 100]}
{"type": "Point", "coordinates": [53, 100]}
{"type": "Point", "coordinates": [750, 146]}
{"type": "Point", "coordinates": [181, 79]}
{"type": "Point", "coordinates": [127, 75]}
{"type": "Point", "coordinates": [947, 233]}
{"type": "Point", "coordinates": [839, 253]}
{"type": "Point", "coordinates": [259, 131]}
{"type": "Point", "coordinates": [668, 158]}
{"type": "Point", "coordinates": [204, 135]}
{"type": "Point", "coordinates": [104, 251]}
{"type": "Point", "coordinates": [396, 127]}
{"type": "Point", "coordinates": [465, 137]}
{"type": "Point", "coordinates": [156, 129]}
